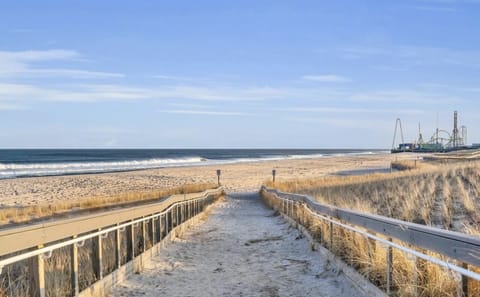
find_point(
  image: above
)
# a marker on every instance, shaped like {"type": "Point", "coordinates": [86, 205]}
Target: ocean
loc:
{"type": "Point", "coordinates": [16, 163]}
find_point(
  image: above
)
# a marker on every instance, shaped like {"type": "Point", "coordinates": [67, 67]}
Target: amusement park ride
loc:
{"type": "Point", "coordinates": [441, 140]}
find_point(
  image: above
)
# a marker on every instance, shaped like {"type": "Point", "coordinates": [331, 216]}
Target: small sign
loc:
{"type": "Point", "coordinates": [219, 172]}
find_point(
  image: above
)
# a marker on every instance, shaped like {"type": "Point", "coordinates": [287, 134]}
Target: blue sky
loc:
{"type": "Point", "coordinates": [203, 74]}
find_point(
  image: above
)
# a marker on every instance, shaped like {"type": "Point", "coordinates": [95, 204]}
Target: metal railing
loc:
{"type": "Point", "coordinates": [418, 240]}
{"type": "Point", "coordinates": [38, 242]}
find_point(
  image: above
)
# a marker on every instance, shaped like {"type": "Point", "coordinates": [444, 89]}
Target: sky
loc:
{"type": "Point", "coordinates": [236, 74]}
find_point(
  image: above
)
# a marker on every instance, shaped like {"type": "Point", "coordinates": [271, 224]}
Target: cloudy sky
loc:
{"type": "Point", "coordinates": [203, 74]}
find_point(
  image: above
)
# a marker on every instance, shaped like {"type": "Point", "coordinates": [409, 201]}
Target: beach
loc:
{"type": "Point", "coordinates": [239, 177]}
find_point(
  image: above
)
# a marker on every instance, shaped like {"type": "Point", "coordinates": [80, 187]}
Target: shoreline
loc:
{"type": "Point", "coordinates": [44, 169]}
{"type": "Point", "coordinates": [237, 177]}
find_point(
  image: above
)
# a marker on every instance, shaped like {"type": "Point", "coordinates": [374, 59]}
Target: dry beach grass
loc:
{"type": "Point", "coordinates": [19, 214]}
{"type": "Point", "coordinates": [441, 195]}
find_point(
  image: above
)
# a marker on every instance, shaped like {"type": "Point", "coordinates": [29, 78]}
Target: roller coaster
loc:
{"type": "Point", "coordinates": [440, 141]}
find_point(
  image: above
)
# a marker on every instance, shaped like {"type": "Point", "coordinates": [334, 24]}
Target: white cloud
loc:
{"type": "Point", "coordinates": [351, 110]}
{"type": "Point", "coordinates": [72, 73]}
{"type": "Point", "coordinates": [10, 107]}
{"type": "Point", "coordinates": [416, 55]}
{"type": "Point", "coordinates": [435, 8]}
{"type": "Point", "coordinates": [175, 78]}
{"type": "Point", "coordinates": [326, 78]}
{"type": "Point", "coordinates": [47, 55]}
{"type": "Point", "coordinates": [353, 124]}
{"type": "Point", "coordinates": [102, 92]}
{"type": "Point", "coordinates": [21, 64]}
{"type": "Point", "coordinates": [405, 96]}
{"type": "Point", "coordinates": [205, 112]}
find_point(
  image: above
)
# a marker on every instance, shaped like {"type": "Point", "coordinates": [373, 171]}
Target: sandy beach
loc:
{"type": "Point", "coordinates": [240, 177]}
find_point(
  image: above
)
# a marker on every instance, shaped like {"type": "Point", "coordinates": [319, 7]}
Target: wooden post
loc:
{"type": "Point", "coordinates": [74, 268]}
{"type": "Point", "coordinates": [144, 236]}
{"type": "Point", "coordinates": [37, 270]}
{"type": "Point", "coordinates": [118, 246]}
{"type": "Point", "coordinates": [331, 236]}
{"type": "Point", "coordinates": [389, 268]}
{"type": "Point", "coordinates": [415, 277]}
{"type": "Point", "coordinates": [178, 214]}
{"type": "Point", "coordinates": [464, 281]}
{"type": "Point", "coordinates": [189, 209]}
{"type": "Point", "coordinates": [274, 172]}
{"type": "Point", "coordinates": [152, 234]}
{"type": "Point", "coordinates": [97, 257]}
{"type": "Point", "coordinates": [130, 242]}
{"type": "Point", "coordinates": [183, 212]}
{"type": "Point", "coordinates": [219, 172]}
{"type": "Point", "coordinates": [160, 231]}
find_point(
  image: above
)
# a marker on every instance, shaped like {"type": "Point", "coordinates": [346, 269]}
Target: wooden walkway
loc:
{"type": "Point", "coordinates": [241, 249]}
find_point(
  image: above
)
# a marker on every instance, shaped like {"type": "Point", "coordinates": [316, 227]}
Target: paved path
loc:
{"type": "Point", "coordinates": [242, 249]}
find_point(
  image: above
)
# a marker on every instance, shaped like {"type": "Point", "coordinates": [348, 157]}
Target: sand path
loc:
{"type": "Point", "coordinates": [242, 249]}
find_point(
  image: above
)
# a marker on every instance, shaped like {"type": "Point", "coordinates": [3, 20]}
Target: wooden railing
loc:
{"type": "Point", "coordinates": [418, 241]}
{"type": "Point", "coordinates": [129, 232]}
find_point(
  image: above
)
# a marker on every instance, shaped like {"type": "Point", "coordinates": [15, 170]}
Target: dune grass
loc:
{"type": "Point", "coordinates": [12, 215]}
{"type": "Point", "coordinates": [444, 196]}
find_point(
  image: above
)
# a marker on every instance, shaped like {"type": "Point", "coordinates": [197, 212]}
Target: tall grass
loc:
{"type": "Point", "coordinates": [449, 193]}
{"type": "Point", "coordinates": [10, 215]}
{"type": "Point", "coordinates": [445, 196]}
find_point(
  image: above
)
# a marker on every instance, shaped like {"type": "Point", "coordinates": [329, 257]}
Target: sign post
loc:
{"type": "Point", "coordinates": [274, 172]}
{"type": "Point", "coordinates": [218, 176]}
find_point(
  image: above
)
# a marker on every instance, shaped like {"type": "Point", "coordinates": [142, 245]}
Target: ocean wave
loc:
{"type": "Point", "coordinates": [14, 170]}
{"type": "Point", "coordinates": [44, 169]}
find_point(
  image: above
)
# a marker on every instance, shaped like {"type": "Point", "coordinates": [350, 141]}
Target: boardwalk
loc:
{"type": "Point", "coordinates": [242, 249]}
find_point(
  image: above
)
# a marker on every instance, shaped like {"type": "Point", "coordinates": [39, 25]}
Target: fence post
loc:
{"type": "Point", "coordinates": [131, 242]}
{"type": "Point", "coordinates": [190, 209]}
{"type": "Point", "coordinates": [152, 237]}
{"type": "Point", "coordinates": [74, 268]}
{"type": "Point", "coordinates": [97, 257]}
{"type": "Point", "coordinates": [464, 281]}
{"type": "Point", "coordinates": [184, 215]}
{"type": "Point", "coordinates": [389, 268]}
{"type": "Point", "coordinates": [160, 219]}
{"type": "Point", "coordinates": [144, 236]}
{"type": "Point", "coordinates": [168, 220]}
{"type": "Point", "coordinates": [180, 213]}
{"type": "Point", "coordinates": [37, 275]}
{"type": "Point", "coordinates": [331, 236]}
{"type": "Point", "coordinates": [415, 277]}
{"type": "Point", "coordinates": [118, 248]}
